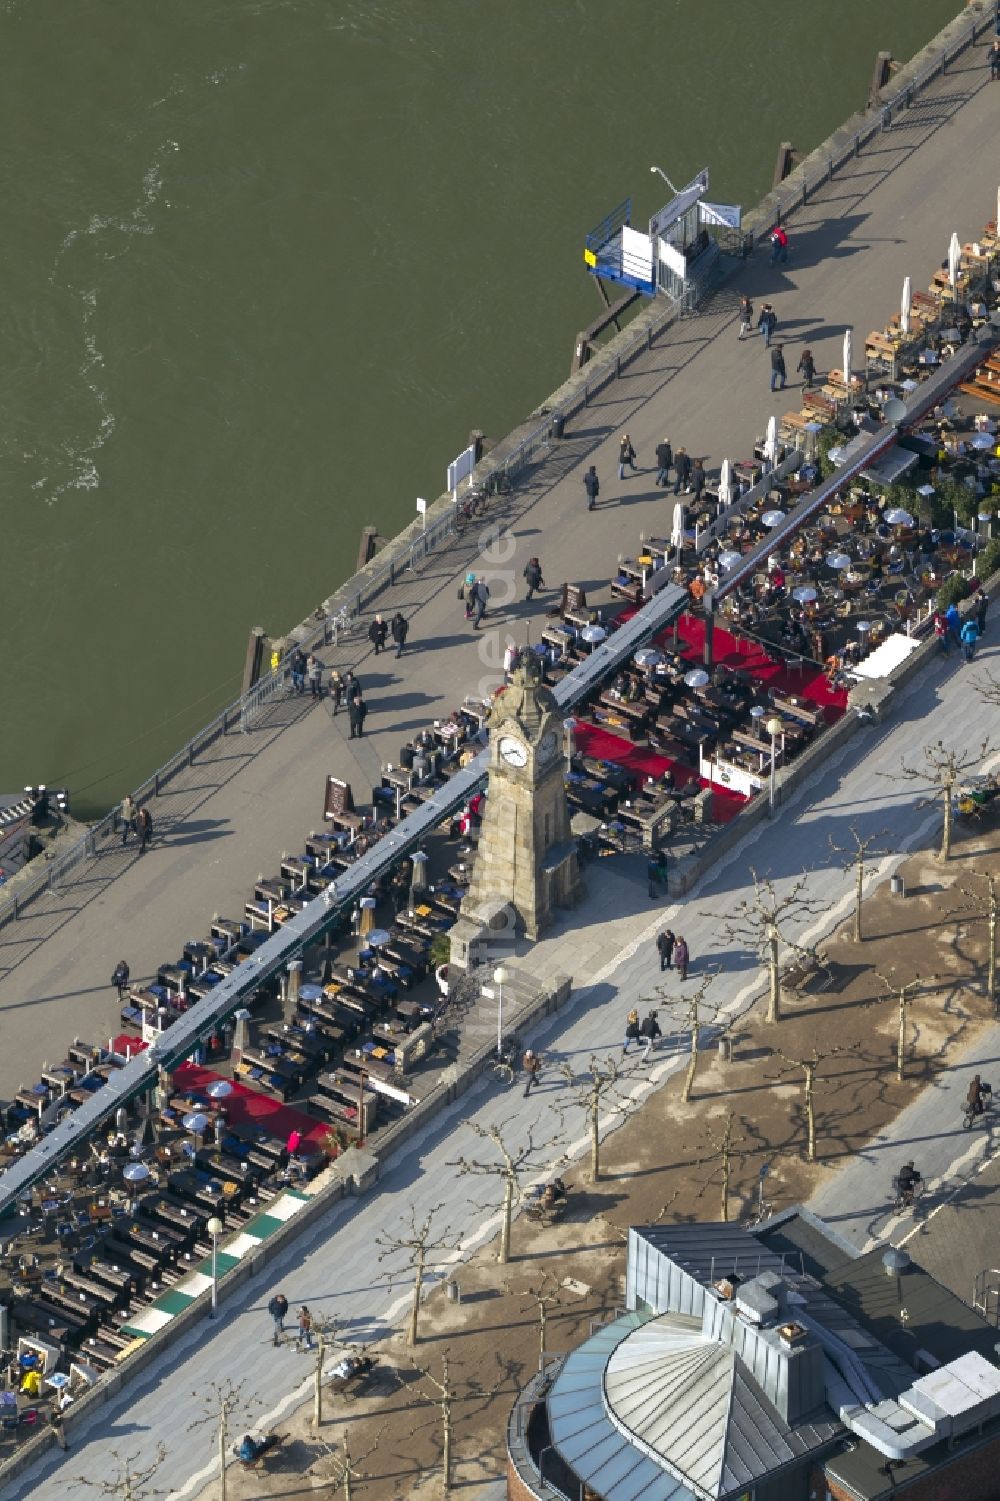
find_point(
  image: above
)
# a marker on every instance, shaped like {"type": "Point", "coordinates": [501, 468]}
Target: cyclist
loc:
{"type": "Point", "coordinates": [908, 1182]}
{"type": "Point", "coordinates": [974, 1098]}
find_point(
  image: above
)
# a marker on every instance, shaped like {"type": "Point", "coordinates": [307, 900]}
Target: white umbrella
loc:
{"type": "Point", "coordinates": [696, 678]}
{"type": "Point", "coordinates": [773, 518]}
{"type": "Point", "coordinates": [954, 257]}
{"type": "Point", "coordinates": [898, 517]}
{"type": "Point", "coordinates": [905, 306]}
{"type": "Point", "coordinates": [983, 441]}
{"type": "Point", "coordinates": [805, 595]}
{"type": "Point", "coordinates": [771, 440]}
{"type": "Point", "coordinates": [648, 657]}
{"type": "Point", "coordinates": [729, 559]}
{"type": "Point", "coordinates": [838, 560]}
{"type": "Point", "coordinates": [848, 357]}
{"type": "Point", "coordinates": [725, 485]}
{"type": "Point", "coordinates": [677, 529]}
{"type": "Point", "coordinates": [593, 634]}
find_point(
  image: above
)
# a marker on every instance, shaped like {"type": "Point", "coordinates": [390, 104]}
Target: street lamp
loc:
{"type": "Point", "coordinates": [666, 179]}
{"type": "Point", "coordinates": [774, 728]}
{"type": "Point", "coordinates": [499, 976]}
{"type": "Point", "coordinates": [214, 1228]}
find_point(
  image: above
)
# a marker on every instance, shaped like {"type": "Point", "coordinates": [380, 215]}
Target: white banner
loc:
{"type": "Point", "coordinates": [460, 468]}
{"type": "Point", "coordinates": [729, 214]}
{"type": "Point", "coordinates": [637, 254]}
{"type": "Point", "coordinates": [675, 260]}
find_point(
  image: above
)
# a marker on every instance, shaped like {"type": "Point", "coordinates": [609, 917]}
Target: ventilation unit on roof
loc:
{"type": "Point", "coordinates": [895, 1261]}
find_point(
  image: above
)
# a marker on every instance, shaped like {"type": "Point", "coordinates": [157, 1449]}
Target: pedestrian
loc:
{"type": "Point", "coordinates": [995, 56]}
{"type": "Point", "coordinates": [665, 947]}
{"type": "Point", "coordinates": [767, 323]}
{"type": "Point", "coordinates": [664, 462]}
{"type": "Point", "coordinates": [127, 817]}
{"type": "Point", "coordinates": [305, 1329]}
{"type": "Point", "coordinates": [353, 686]}
{"type": "Point", "coordinates": [682, 471]}
{"type": "Point", "coordinates": [970, 635]}
{"type": "Point", "coordinates": [532, 576]}
{"type": "Point", "coordinates": [650, 1030]}
{"type": "Point", "coordinates": [777, 368]}
{"type": "Point", "coordinates": [144, 828]}
{"type": "Point", "coordinates": [480, 599]}
{"type": "Point", "coordinates": [941, 632]}
{"type": "Point", "coordinates": [697, 479]}
{"type": "Point", "coordinates": [297, 667]}
{"type": "Point", "coordinates": [632, 1030]}
{"type": "Point", "coordinates": [377, 632]}
{"type": "Point", "coordinates": [592, 486]}
{"type": "Point", "coordinates": [400, 630]}
{"type": "Point", "coordinates": [531, 1063]}
{"type": "Point", "coordinates": [746, 316]}
{"type": "Point", "coordinates": [466, 594]}
{"type": "Point", "coordinates": [779, 244]}
{"type": "Point", "coordinates": [277, 1308]}
{"type": "Point", "coordinates": [56, 1424]}
{"type": "Point", "coordinates": [511, 656]}
{"type": "Point", "coordinates": [337, 688]}
{"type": "Point", "coordinates": [806, 368]}
{"type": "Point", "coordinates": [681, 957]}
{"type": "Point", "coordinates": [656, 874]}
{"type": "Point", "coordinates": [953, 620]}
{"type": "Point", "coordinates": [982, 605]}
{"type": "Point", "coordinates": [626, 455]}
{"type": "Point", "coordinates": [119, 978]}
{"type": "Point", "coordinates": [314, 672]}
{"type": "Point", "coordinates": [356, 711]}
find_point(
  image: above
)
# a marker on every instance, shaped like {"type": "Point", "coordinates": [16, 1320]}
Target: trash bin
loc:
{"type": "Point", "coordinates": [897, 885]}
{"type": "Point", "coordinates": [725, 1050]}
{"type": "Point", "coordinates": [452, 1291]}
{"type": "Point", "coordinates": [558, 424]}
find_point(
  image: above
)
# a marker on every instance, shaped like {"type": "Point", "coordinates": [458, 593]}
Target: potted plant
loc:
{"type": "Point", "coordinates": [440, 957]}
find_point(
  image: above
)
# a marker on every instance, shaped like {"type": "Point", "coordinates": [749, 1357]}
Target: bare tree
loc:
{"type": "Point", "coordinates": [598, 1092]}
{"type": "Point", "coordinates": [809, 1067]}
{"type": "Point", "coordinates": [445, 1397]}
{"type": "Point", "coordinates": [694, 1019]}
{"type": "Point", "coordinates": [512, 1165]}
{"type": "Point", "coordinates": [856, 858]}
{"type": "Point", "coordinates": [342, 1470]}
{"type": "Point", "coordinates": [545, 1294]}
{"type": "Point", "coordinates": [990, 914]}
{"type": "Point", "coordinates": [325, 1331]}
{"type": "Point", "coordinates": [422, 1248]}
{"type": "Point", "coordinates": [760, 923]}
{"type": "Point", "coordinates": [903, 996]}
{"type": "Point", "coordinates": [130, 1484]}
{"type": "Point", "coordinates": [222, 1400]}
{"type": "Point", "coordinates": [724, 1147]}
{"type": "Point", "coordinates": [943, 767]}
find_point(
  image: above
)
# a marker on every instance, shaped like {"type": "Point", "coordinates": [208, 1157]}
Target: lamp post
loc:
{"type": "Point", "coordinates": [214, 1228]}
{"type": "Point", "coordinates": [774, 728]}
{"type": "Point", "coordinates": [499, 976]}
{"type": "Point", "coordinates": [666, 179]}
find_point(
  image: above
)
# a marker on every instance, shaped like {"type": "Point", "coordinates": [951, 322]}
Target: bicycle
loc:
{"type": "Point", "coordinates": [906, 1198]}
{"type": "Point", "coordinates": [472, 505]}
{"type": "Point", "coordinates": [971, 1114]}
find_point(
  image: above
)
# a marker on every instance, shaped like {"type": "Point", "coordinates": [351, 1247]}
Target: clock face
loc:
{"type": "Point", "coordinates": [549, 747]}
{"type": "Point", "coordinates": [513, 751]}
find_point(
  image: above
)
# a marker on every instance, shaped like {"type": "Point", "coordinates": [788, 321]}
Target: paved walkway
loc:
{"type": "Point", "coordinates": [608, 948]}
{"type": "Point", "coordinates": [251, 797]}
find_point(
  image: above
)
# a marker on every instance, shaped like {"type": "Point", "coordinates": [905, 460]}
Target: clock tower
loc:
{"type": "Point", "coordinates": [527, 855]}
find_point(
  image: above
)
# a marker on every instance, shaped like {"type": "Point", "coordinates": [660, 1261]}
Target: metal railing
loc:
{"type": "Point", "coordinates": [796, 189]}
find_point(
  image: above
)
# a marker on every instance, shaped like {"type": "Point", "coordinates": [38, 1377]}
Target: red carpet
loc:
{"type": "Point", "coordinates": [750, 657]}
{"type": "Point", "coordinates": [246, 1107]}
{"type": "Point", "coordinates": [603, 746]}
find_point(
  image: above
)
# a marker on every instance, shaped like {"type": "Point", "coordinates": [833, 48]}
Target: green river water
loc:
{"type": "Point", "coordinates": [266, 264]}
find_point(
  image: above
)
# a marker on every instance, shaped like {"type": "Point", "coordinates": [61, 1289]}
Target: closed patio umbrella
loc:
{"type": "Point", "coordinates": [905, 306]}
{"type": "Point", "coordinates": [848, 356]}
{"type": "Point", "coordinates": [954, 258]}
{"type": "Point", "coordinates": [725, 485]}
{"type": "Point", "coordinates": [771, 440]}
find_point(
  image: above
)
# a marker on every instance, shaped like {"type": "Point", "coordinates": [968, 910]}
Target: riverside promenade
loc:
{"type": "Point", "coordinates": [244, 804]}
{"type": "Point", "coordinates": [248, 797]}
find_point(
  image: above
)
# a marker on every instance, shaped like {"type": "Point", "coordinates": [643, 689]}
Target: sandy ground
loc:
{"type": "Point", "coordinates": [664, 1163]}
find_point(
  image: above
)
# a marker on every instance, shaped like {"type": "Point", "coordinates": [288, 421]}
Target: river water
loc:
{"type": "Point", "coordinates": [267, 262]}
